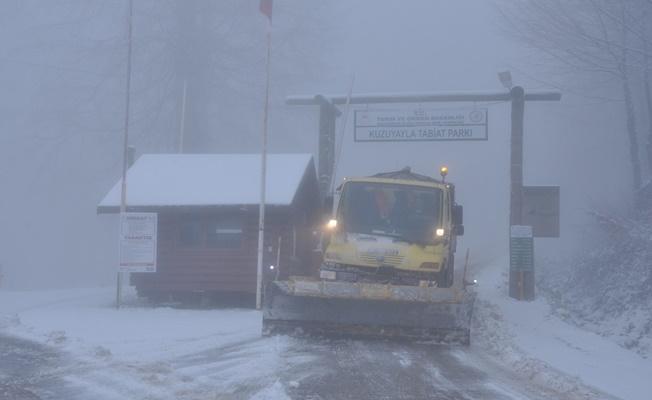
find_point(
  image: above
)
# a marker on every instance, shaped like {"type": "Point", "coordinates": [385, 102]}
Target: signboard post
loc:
{"type": "Point", "coordinates": [137, 245]}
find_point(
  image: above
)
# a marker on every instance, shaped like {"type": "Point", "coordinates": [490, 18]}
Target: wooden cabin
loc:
{"type": "Point", "coordinates": [208, 219]}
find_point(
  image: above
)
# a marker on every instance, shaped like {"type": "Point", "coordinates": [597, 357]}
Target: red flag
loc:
{"type": "Point", "coordinates": [266, 8]}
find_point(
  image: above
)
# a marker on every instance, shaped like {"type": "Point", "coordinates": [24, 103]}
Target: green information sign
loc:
{"type": "Point", "coordinates": [521, 254]}
{"type": "Point", "coordinates": [521, 262]}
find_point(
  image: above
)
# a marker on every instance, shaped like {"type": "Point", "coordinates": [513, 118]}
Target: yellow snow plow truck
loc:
{"type": "Point", "coordinates": [387, 270]}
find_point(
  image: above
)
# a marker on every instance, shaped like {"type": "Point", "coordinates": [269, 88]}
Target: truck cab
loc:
{"type": "Point", "coordinates": [398, 228]}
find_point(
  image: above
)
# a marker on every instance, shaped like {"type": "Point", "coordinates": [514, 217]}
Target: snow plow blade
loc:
{"type": "Point", "coordinates": [304, 307]}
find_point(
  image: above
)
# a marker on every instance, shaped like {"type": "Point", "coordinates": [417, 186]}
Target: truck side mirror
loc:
{"type": "Point", "coordinates": [458, 215]}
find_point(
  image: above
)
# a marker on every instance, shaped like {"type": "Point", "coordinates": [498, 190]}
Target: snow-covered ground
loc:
{"type": "Point", "coordinates": [531, 338]}
{"type": "Point", "coordinates": [125, 351]}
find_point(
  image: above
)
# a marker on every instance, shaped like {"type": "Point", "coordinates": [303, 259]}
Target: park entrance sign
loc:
{"type": "Point", "coordinates": [420, 125]}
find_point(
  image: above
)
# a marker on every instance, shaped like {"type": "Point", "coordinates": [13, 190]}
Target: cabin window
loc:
{"type": "Point", "coordinates": [202, 231]}
{"type": "Point", "coordinates": [190, 231]}
{"type": "Point", "coordinates": [224, 233]}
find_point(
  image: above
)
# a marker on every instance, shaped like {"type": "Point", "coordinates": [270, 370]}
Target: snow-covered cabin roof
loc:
{"type": "Point", "coordinates": [209, 180]}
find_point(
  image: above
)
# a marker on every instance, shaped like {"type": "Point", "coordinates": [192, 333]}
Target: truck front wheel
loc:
{"type": "Point", "coordinates": [446, 276]}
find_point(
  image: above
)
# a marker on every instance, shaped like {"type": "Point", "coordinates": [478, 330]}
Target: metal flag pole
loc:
{"type": "Point", "coordinates": [265, 7]}
{"type": "Point", "coordinates": [125, 164]}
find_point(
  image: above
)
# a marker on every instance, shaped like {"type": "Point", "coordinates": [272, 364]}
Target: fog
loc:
{"type": "Point", "coordinates": [62, 115]}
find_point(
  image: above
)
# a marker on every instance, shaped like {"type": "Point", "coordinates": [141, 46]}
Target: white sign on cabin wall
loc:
{"type": "Point", "coordinates": [138, 242]}
{"type": "Point", "coordinates": [420, 125]}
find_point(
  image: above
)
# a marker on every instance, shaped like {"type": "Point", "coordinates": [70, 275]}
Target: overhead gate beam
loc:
{"type": "Point", "coordinates": [328, 113]}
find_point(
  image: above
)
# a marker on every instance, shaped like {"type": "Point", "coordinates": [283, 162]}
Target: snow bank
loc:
{"type": "Point", "coordinates": [540, 346]}
{"type": "Point", "coordinates": [120, 351]}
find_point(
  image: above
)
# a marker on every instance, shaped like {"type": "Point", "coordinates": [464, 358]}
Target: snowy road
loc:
{"type": "Point", "coordinates": [324, 370]}
{"type": "Point", "coordinates": [29, 370]}
{"type": "Point", "coordinates": [401, 371]}
{"type": "Point", "coordinates": [276, 368]}
{"type": "Point", "coordinates": [77, 343]}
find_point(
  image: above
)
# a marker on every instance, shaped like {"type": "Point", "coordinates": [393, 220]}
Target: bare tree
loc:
{"type": "Point", "coordinates": [215, 49]}
{"type": "Point", "coordinates": [214, 52]}
{"type": "Point", "coordinates": [602, 41]}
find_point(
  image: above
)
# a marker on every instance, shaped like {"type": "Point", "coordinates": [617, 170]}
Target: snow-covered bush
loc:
{"type": "Point", "coordinates": [608, 288]}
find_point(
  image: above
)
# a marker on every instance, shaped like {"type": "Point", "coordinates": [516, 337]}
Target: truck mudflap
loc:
{"type": "Point", "coordinates": [305, 307]}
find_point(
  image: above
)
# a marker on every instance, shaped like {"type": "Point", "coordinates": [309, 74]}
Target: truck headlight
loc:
{"type": "Point", "coordinates": [439, 232]}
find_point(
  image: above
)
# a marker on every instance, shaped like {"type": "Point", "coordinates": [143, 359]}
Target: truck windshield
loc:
{"type": "Point", "coordinates": [410, 212]}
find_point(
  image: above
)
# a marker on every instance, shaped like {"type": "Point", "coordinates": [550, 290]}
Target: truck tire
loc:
{"type": "Point", "coordinates": [447, 276]}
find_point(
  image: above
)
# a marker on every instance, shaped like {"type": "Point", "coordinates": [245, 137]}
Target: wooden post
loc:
{"type": "Point", "coordinates": [327, 116]}
{"type": "Point", "coordinates": [278, 259]}
{"type": "Point", "coordinates": [516, 190]}
{"type": "Point", "coordinates": [516, 158]}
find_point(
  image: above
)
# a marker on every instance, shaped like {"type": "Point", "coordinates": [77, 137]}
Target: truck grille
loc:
{"type": "Point", "coordinates": [380, 259]}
